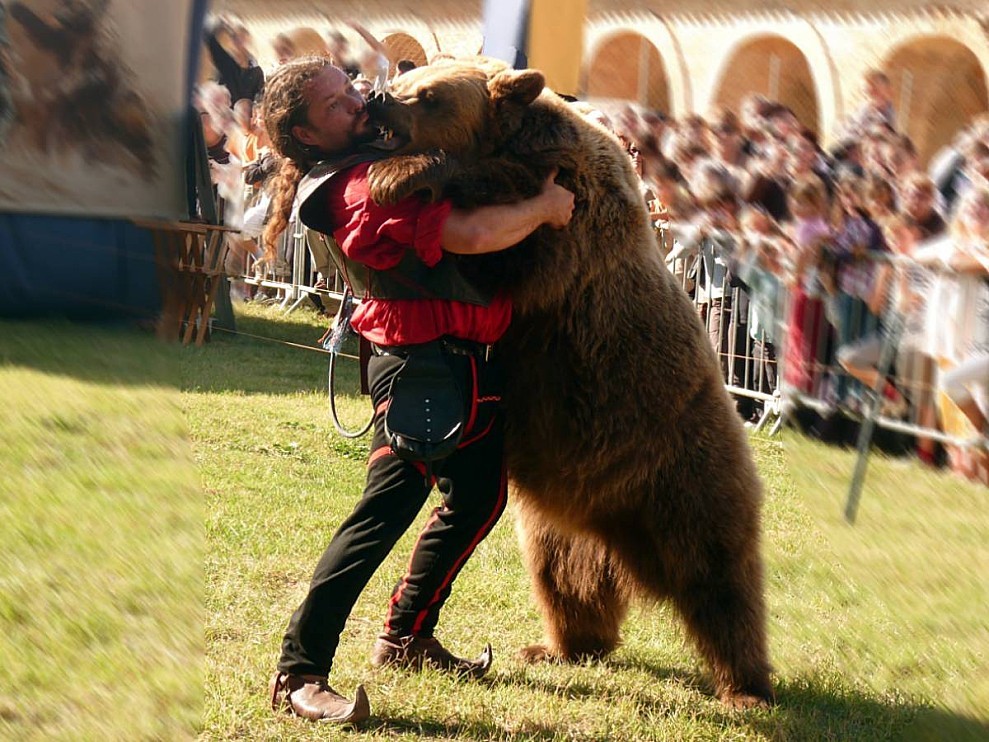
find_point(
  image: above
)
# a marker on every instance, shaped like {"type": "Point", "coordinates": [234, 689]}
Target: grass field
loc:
{"type": "Point", "coordinates": [117, 450]}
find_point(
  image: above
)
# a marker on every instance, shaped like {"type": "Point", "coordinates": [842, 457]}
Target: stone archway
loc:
{"type": "Point", "coordinates": [776, 68]}
{"type": "Point", "coordinates": [938, 86]}
{"type": "Point", "coordinates": [404, 46]}
{"type": "Point", "coordinates": [627, 66]}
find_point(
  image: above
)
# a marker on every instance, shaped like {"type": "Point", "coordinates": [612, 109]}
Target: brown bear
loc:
{"type": "Point", "coordinates": [631, 472]}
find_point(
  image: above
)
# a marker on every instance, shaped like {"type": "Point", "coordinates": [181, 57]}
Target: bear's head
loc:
{"type": "Point", "coordinates": [459, 108]}
{"type": "Point", "coordinates": [479, 133]}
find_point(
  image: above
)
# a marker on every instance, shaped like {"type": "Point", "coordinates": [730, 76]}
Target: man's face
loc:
{"type": "Point", "coordinates": [283, 51]}
{"type": "Point", "coordinates": [804, 155]}
{"type": "Point", "coordinates": [728, 144]}
{"type": "Point", "coordinates": [918, 202]}
{"type": "Point", "coordinates": [337, 117]}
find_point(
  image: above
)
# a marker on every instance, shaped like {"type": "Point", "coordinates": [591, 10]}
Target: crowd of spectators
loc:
{"type": "Point", "coordinates": [829, 256]}
{"type": "Point", "coordinates": [822, 256]}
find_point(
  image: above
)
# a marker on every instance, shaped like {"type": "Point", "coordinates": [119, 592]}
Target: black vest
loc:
{"type": "Point", "coordinates": [410, 279]}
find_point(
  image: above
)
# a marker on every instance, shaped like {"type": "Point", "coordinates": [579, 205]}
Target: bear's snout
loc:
{"type": "Point", "coordinates": [386, 111]}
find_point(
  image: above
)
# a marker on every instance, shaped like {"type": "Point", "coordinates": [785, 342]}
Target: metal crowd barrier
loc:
{"type": "Point", "coordinates": [769, 380]}
{"type": "Point", "coordinates": [293, 251]}
{"type": "Point", "coordinates": [803, 371]}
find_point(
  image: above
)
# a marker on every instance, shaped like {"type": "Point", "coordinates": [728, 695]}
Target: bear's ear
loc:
{"type": "Point", "coordinates": [517, 86]}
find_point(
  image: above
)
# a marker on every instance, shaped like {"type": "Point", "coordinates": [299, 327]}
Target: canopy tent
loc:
{"type": "Point", "coordinates": [98, 135]}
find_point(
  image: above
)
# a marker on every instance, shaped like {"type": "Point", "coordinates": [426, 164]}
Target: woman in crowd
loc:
{"type": "Point", "coordinates": [960, 295]}
{"type": "Point", "coordinates": [850, 279]}
{"type": "Point", "coordinates": [807, 329]}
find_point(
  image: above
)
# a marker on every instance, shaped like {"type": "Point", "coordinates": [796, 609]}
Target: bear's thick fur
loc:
{"type": "Point", "coordinates": [631, 471]}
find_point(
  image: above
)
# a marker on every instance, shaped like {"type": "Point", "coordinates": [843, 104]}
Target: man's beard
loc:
{"type": "Point", "coordinates": [367, 134]}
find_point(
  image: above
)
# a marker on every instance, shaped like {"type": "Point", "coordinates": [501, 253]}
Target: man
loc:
{"type": "Point", "coordinates": [918, 197]}
{"type": "Point", "coordinates": [236, 69]}
{"type": "Point", "coordinates": [392, 255]}
{"type": "Point", "coordinates": [876, 112]}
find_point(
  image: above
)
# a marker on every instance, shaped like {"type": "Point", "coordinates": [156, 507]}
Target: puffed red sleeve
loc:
{"type": "Point", "coordinates": [377, 235]}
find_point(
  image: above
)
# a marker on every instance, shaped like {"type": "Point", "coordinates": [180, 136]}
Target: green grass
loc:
{"type": "Point", "coordinates": [878, 631]}
{"type": "Point", "coordinates": [101, 539]}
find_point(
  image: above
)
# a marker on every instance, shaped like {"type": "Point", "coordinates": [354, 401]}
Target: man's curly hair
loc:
{"type": "Point", "coordinates": [285, 107]}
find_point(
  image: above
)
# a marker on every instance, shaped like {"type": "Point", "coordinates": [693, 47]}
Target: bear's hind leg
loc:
{"type": "Point", "coordinates": [579, 590]}
{"type": "Point", "coordinates": [725, 615]}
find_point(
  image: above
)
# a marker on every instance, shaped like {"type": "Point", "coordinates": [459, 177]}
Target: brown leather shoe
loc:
{"type": "Point", "coordinates": [311, 697]}
{"type": "Point", "coordinates": [416, 652]}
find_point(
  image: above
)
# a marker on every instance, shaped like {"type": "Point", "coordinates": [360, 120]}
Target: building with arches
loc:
{"type": "Point", "coordinates": [696, 56]}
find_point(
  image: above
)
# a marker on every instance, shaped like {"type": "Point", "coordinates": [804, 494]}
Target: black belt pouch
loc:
{"type": "Point", "coordinates": [425, 418]}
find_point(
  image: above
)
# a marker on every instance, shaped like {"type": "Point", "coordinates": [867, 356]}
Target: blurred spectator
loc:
{"type": "Point", "coordinates": [716, 230]}
{"type": "Point", "coordinates": [877, 110]}
{"type": "Point", "coordinates": [342, 56]}
{"type": "Point", "coordinates": [236, 69]}
{"type": "Point", "coordinates": [760, 262]}
{"type": "Point", "coordinates": [948, 166]}
{"type": "Point", "coordinates": [805, 160]}
{"type": "Point", "coordinates": [917, 202]}
{"type": "Point", "coordinates": [374, 61]}
{"type": "Point", "coordinates": [726, 147]}
{"type": "Point", "coordinates": [960, 295]}
{"type": "Point", "coordinates": [903, 159]}
{"type": "Point", "coordinates": [848, 159]}
{"type": "Point", "coordinates": [975, 174]}
{"type": "Point", "coordinates": [689, 156]}
{"type": "Point", "coordinates": [363, 86]}
{"type": "Point", "coordinates": [404, 65]}
{"type": "Point", "coordinates": [766, 186]}
{"type": "Point", "coordinates": [901, 289]}
{"type": "Point", "coordinates": [696, 130]}
{"type": "Point", "coordinates": [880, 201]}
{"type": "Point", "coordinates": [676, 207]}
{"type": "Point", "coordinates": [806, 326]}
{"type": "Point", "coordinates": [654, 132]}
{"type": "Point", "coordinates": [284, 48]}
{"type": "Point", "coordinates": [784, 123]}
{"type": "Point", "coordinates": [850, 278]}
{"type": "Point", "coordinates": [754, 121]}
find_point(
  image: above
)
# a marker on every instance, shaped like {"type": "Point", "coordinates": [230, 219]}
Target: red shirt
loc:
{"type": "Point", "coordinates": [378, 236]}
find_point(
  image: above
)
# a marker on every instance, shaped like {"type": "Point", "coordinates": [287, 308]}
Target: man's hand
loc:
{"type": "Point", "coordinates": [557, 201]}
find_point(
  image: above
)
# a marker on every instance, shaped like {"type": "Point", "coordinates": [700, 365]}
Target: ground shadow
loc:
{"type": "Point", "coordinates": [275, 355]}
{"type": "Point", "coordinates": [117, 353]}
{"type": "Point", "coordinates": [812, 709]}
{"type": "Point", "coordinates": [807, 709]}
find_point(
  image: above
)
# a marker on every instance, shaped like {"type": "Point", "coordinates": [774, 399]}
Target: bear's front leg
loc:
{"type": "Point", "coordinates": [493, 180]}
{"type": "Point", "coordinates": [577, 588]}
{"type": "Point", "coordinates": [401, 176]}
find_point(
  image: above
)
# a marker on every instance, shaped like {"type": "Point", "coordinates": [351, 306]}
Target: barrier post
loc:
{"type": "Point", "coordinates": [864, 443]}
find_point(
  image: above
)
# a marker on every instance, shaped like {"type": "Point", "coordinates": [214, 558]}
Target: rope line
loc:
{"type": "Point", "coordinates": [289, 343]}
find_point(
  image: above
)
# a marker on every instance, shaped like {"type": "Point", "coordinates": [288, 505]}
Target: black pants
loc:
{"type": "Point", "coordinates": [473, 486]}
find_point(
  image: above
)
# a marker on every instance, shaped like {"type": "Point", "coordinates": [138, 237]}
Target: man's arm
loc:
{"type": "Point", "coordinates": [371, 40]}
{"type": "Point", "coordinates": [493, 228]}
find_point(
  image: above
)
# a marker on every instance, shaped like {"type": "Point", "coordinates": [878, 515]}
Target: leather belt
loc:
{"type": "Point", "coordinates": [457, 346]}
{"type": "Point", "coordinates": [482, 351]}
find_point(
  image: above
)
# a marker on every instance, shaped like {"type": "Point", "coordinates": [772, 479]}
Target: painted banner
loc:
{"type": "Point", "coordinates": [92, 99]}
